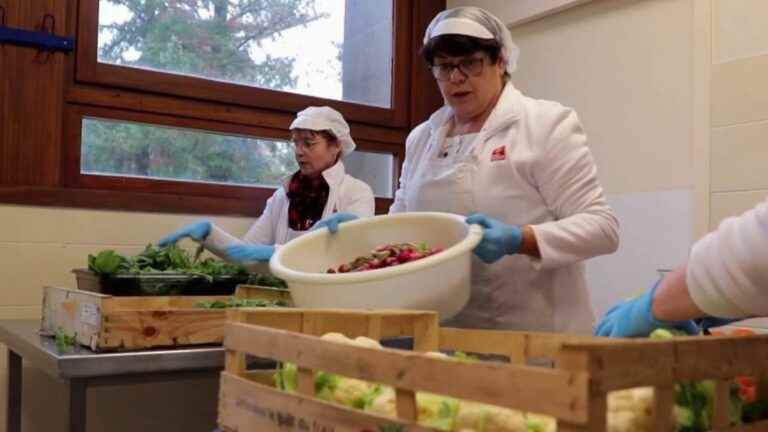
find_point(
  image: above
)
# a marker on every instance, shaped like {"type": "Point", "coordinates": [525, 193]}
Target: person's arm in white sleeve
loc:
{"type": "Point", "coordinates": [725, 279]}
{"type": "Point", "coordinates": [261, 232]}
{"type": "Point", "coordinates": [566, 175]}
{"type": "Point", "coordinates": [727, 273]}
{"type": "Point", "coordinates": [725, 276]}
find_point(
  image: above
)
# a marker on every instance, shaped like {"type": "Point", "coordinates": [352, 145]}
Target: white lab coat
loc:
{"type": "Point", "coordinates": [529, 165]}
{"type": "Point", "coordinates": [346, 194]}
{"type": "Point", "coordinates": [728, 269]}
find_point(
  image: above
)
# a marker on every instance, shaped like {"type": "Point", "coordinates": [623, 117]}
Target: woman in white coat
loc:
{"type": "Point", "coordinates": [523, 164]}
{"type": "Point", "coordinates": [726, 277]}
{"type": "Point", "coordinates": [319, 188]}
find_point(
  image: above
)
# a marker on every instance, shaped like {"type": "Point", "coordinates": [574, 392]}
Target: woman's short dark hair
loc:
{"type": "Point", "coordinates": [327, 134]}
{"type": "Point", "coordinates": [454, 45]}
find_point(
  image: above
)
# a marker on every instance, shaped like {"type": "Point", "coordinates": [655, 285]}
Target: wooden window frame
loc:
{"type": "Point", "coordinates": [73, 178]}
{"type": "Point", "coordinates": [90, 71]}
{"type": "Point", "coordinates": [42, 167]}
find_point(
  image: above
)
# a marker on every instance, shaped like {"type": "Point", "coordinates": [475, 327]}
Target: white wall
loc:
{"type": "Point", "coordinates": [739, 101]}
{"type": "Point", "coordinates": [650, 240]}
{"type": "Point", "coordinates": [520, 11]}
{"type": "Point", "coordinates": [625, 66]}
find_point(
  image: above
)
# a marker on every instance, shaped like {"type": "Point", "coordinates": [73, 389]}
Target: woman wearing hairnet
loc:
{"type": "Point", "coordinates": [318, 189]}
{"type": "Point", "coordinates": [521, 166]}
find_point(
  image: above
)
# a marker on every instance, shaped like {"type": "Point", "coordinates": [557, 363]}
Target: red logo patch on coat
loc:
{"type": "Point", "coordinates": [498, 154]}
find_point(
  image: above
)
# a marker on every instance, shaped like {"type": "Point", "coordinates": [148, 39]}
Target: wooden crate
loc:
{"type": "Point", "coordinates": [113, 323]}
{"type": "Point", "coordinates": [266, 293]}
{"type": "Point", "coordinates": [574, 391]}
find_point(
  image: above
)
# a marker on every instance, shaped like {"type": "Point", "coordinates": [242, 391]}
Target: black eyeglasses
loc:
{"type": "Point", "coordinates": [472, 66]}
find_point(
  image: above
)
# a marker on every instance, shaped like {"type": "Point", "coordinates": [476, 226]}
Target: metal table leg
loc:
{"type": "Point", "coordinates": [77, 400]}
{"type": "Point", "coordinates": [13, 408]}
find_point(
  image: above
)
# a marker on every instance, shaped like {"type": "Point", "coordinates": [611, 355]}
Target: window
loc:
{"type": "Point", "coordinates": [376, 169]}
{"type": "Point", "coordinates": [141, 150]}
{"type": "Point", "coordinates": [131, 149]}
{"type": "Point", "coordinates": [287, 54]}
{"type": "Point", "coordinates": [301, 46]}
{"type": "Point", "coordinates": [184, 105]}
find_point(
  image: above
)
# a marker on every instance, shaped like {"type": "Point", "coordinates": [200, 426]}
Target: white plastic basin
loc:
{"type": "Point", "coordinates": [439, 282]}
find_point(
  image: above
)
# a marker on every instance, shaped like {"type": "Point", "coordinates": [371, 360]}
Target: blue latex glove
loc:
{"type": "Point", "coordinates": [250, 253]}
{"type": "Point", "coordinates": [196, 231]}
{"type": "Point", "coordinates": [634, 318]}
{"type": "Point", "coordinates": [499, 239]}
{"type": "Point", "coordinates": [332, 222]}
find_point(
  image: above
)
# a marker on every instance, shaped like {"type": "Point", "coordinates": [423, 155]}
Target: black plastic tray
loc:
{"type": "Point", "coordinates": [158, 284]}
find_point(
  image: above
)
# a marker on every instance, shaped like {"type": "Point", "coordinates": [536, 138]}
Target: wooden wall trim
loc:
{"type": "Point", "coordinates": [128, 201]}
{"type": "Point", "coordinates": [31, 100]}
{"type": "Point", "coordinates": [425, 95]}
{"type": "Point", "coordinates": [210, 111]}
{"type": "Point", "coordinates": [140, 202]}
{"type": "Point", "coordinates": [402, 87]}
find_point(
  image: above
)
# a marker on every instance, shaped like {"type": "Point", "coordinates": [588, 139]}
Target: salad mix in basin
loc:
{"type": "Point", "coordinates": [387, 255]}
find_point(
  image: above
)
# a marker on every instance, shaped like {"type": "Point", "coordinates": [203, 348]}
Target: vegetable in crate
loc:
{"type": "Point", "coordinates": [266, 280]}
{"type": "Point", "coordinates": [169, 270]}
{"type": "Point", "coordinates": [64, 341]}
{"type": "Point", "coordinates": [240, 303]}
{"type": "Point", "coordinates": [387, 256]}
{"type": "Point", "coordinates": [628, 410]}
{"type": "Point", "coordinates": [161, 260]}
{"type": "Point", "coordinates": [107, 262]}
{"type": "Point", "coordinates": [694, 400]}
{"type": "Point", "coordinates": [436, 411]}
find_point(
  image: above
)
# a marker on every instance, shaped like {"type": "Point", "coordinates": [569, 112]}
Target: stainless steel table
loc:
{"type": "Point", "coordinates": [81, 368]}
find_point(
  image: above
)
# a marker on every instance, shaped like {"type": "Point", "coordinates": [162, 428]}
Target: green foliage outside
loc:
{"type": "Point", "coordinates": [217, 39]}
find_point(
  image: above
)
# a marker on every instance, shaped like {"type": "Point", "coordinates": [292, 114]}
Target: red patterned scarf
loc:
{"type": "Point", "coordinates": [307, 198]}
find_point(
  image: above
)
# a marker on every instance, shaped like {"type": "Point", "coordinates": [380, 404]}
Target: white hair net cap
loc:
{"type": "Point", "coordinates": [475, 22]}
{"type": "Point", "coordinates": [326, 119]}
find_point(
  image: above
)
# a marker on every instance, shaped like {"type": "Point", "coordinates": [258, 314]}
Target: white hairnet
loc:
{"type": "Point", "coordinates": [326, 119]}
{"type": "Point", "coordinates": [475, 22]}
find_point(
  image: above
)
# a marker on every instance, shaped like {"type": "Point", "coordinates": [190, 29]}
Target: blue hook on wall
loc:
{"type": "Point", "coordinates": [43, 40]}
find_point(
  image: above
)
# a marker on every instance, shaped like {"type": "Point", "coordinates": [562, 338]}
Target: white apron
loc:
{"type": "Point", "coordinates": [503, 294]}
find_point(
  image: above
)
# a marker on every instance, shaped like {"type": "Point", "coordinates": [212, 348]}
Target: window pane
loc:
{"type": "Point", "coordinates": [373, 168]}
{"type": "Point", "coordinates": [311, 47]}
{"type": "Point", "coordinates": [120, 148]}
{"type": "Point", "coordinates": [140, 150]}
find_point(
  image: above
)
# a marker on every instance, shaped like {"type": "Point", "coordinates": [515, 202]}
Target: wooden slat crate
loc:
{"type": "Point", "coordinates": [574, 391]}
{"type": "Point", "coordinates": [262, 292]}
{"type": "Point", "coordinates": [111, 323]}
